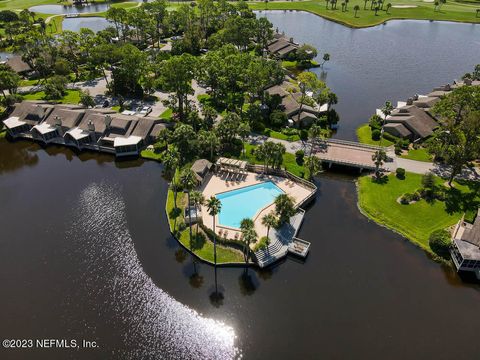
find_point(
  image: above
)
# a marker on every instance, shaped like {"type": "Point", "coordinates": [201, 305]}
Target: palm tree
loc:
{"type": "Point", "coordinates": [243, 131]}
{"type": "Point", "coordinates": [376, 10]}
{"type": "Point", "coordinates": [365, 4]}
{"type": "Point", "coordinates": [214, 205]}
{"type": "Point", "coordinates": [378, 158]}
{"type": "Point", "coordinates": [284, 207]}
{"type": "Point", "coordinates": [326, 3]}
{"type": "Point", "coordinates": [269, 220]}
{"type": "Point", "coordinates": [373, 4]}
{"type": "Point", "coordinates": [188, 181]}
{"type": "Point", "coordinates": [171, 161]}
{"type": "Point", "coordinates": [380, 4]}
{"type": "Point", "coordinates": [356, 8]}
{"type": "Point", "coordinates": [312, 163]}
{"type": "Point", "coordinates": [313, 134]}
{"type": "Point", "coordinates": [478, 12]}
{"type": "Point", "coordinates": [197, 199]}
{"type": "Point", "coordinates": [346, 4]}
{"type": "Point", "coordinates": [164, 136]}
{"type": "Point", "coordinates": [343, 6]}
{"type": "Point", "coordinates": [389, 5]}
{"type": "Point", "coordinates": [248, 234]}
{"type": "Point", "coordinates": [326, 57]}
{"type": "Point", "coordinates": [262, 154]}
{"type": "Point", "coordinates": [386, 110]}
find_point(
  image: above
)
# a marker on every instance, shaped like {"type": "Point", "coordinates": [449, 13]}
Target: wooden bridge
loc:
{"type": "Point", "coordinates": [347, 153]}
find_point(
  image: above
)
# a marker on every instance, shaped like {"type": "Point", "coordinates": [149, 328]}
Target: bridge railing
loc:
{"type": "Point", "coordinates": [347, 162]}
{"type": "Point", "coordinates": [355, 144]}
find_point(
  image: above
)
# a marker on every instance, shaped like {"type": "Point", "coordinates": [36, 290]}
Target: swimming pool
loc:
{"type": "Point", "coordinates": [245, 202]}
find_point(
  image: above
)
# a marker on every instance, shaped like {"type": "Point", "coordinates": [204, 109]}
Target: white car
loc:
{"type": "Point", "coordinates": [145, 110]}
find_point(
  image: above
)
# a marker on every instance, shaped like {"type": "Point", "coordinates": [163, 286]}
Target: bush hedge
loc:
{"type": "Point", "coordinates": [440, 241]}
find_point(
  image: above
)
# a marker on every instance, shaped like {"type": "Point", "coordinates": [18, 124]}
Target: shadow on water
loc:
{"type": "Point", "coordinates": [24, 154]}
{"type": "Point", "coordinates": [248, 282]}
{"type": "Point", "coordinates": [16, 157]}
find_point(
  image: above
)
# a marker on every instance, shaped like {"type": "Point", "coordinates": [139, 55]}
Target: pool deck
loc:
{"type": "Point", "coordinates": [219, 183]}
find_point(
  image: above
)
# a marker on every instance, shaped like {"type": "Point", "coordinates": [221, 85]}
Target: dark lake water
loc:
{"type": "Point", "coordinates": [86, 254]}
{"type": "Point", "coordinates": [386, 62]}
{"type": "Point", "coordinates": [69, 9]}
{"type": "Point", "coordinates": [93, 23]}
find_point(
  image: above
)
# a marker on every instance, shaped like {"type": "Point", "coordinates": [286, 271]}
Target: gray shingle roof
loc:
{"type": "Point", "coordinates": [414, 119]}
{"type": "Point", "coordinates": [17, 64]}
{"type": "Point", "coordinates": [397, 129]}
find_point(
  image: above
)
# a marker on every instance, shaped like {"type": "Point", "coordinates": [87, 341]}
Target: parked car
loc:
{"type": "Point", "coordinates": [106, 104]}
{"type": "Point", "coordinates": [144, 111]}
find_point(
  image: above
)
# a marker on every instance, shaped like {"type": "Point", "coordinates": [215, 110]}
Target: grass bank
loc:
{"type": "Point", "coordinates": [364, 135]}
{"type": "Point", "coordinates": [202, 247]}
{"type": "Point", "coordinates": [416, 221]}
{"type": "Point", "coordinates": [410, 9]}
{"type": "Point", "coordinates": [71, 97]}
{"type": "Point", "coordinates": [289, 160]}
{"type": "Point", "coordinates": [420, 154]}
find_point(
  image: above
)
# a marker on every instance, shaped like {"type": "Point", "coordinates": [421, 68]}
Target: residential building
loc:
{"type": "Point", "coordinates": [465, 250]}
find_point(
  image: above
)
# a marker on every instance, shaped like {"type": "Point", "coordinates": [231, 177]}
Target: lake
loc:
{"type": "Point", "coordinates": [386, 62]}
{"type": "Point", "coordinates": [94, 23]}
{"type": "Point", "coordinates": [86, 254]}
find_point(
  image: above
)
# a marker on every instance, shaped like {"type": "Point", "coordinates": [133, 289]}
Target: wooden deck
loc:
{"type": "Point", "coordinates": [347, 153]}
{"type": "Point", "coordinates": [299, 247]}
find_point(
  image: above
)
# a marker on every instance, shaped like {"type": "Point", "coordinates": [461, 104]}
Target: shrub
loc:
{"type": "Point", "coordinates": [376, 134]}
{"type": "Point", "coordinates": [304, 134]}
{"type": "Point", "coordinates": [406, 198]}
{"type": "Point", "coordinates": [400, 173]}
{"type": "Point", "coordinates": [375, 122]}
{"type": "Point", "coordinates": [416, 196]}
{"type": "Point", "coordinates": [278, 118]}
{"type": "Point", "coordinates": [55, 87]}
{"type": "Point", "coordinates": [428, 181]}
{"type": "Point", "coordinates": [299, 155]}
{"type": "Point", "coordinates": [390, 137]}
{"type": "Point", "coordinates": [398, 149]}
{"type": "Point", "coordinates": [439, 242]}
{"type": "Point", "coordinates": [262, 243]}
{"type": "Point", "coordinates": [258, 126]}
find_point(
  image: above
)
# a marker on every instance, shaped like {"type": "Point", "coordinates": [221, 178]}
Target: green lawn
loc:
{"type": "Point", "coordinates": [27, 82]}
{"type": "Point", "coordinates": [152, 155]}
{"type": "Point", "coordinates": [72, 97]}
{"type": "Point", "coordinates": [167, 114]}
{"type": "Point", "coordinates": [420, 154]}
{"type": "Point", "coordinates": [205, 250]}
{"type": "Point", "coordinates": [279, 135]}
{"type": "Point", "coordinates": [415, 221]}
{"type": "Point", "coordinates": [289, 161]}
{"type": "Point", "coordinates": [364, 134]}
{"type": "Point", "coordinates": [452, 11]}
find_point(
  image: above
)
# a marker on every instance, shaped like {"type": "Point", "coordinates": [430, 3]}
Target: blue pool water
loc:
{"type": "Point", "coordinates": [245, 202]}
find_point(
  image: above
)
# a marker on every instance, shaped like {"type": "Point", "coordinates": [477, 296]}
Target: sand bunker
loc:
{"type": "Point", "coordinates": [404, 6]}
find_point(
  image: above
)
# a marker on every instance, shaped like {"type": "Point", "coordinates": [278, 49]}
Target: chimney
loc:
{"type": "Point", "coordinates": [91, 128]}
{"type": "Point", "coordinates": [108, 121]}
{"type": "Point", "coordinates": [410, 101]}
{"type": "Point", "coordinates": [58, 124]}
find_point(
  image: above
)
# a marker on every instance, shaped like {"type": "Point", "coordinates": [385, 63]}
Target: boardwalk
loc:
{"type": "Point", "coordinates": [347, 153]}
